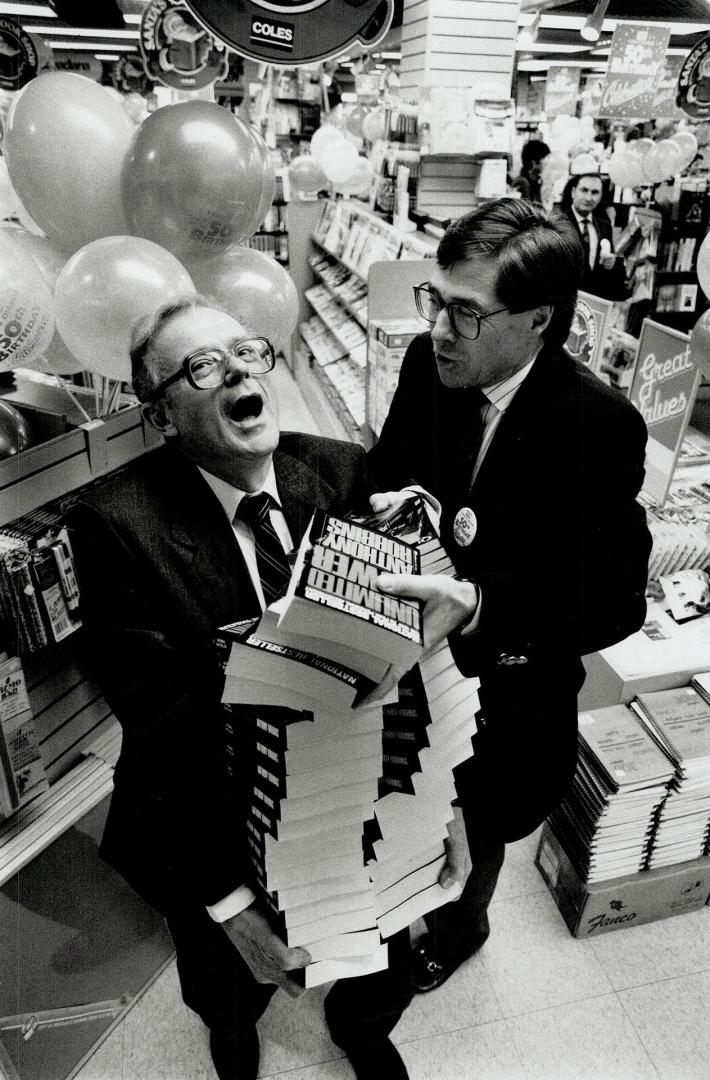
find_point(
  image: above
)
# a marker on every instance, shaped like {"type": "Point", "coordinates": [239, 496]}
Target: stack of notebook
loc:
{"type": "Point", "coordinates": [679, 721]}
{"type": "Point", "coordinates": [607, 821]}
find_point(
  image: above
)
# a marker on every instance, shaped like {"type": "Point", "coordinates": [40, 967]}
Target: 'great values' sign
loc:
{"type": "Point", "coordinates": [663, 390]}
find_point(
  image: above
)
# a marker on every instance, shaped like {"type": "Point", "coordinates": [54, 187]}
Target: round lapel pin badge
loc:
{"type": "Point", "coordinates": [465, 526]}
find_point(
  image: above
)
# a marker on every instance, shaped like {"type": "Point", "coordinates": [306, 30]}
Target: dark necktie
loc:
{"type": "Point", "coordinates": [271, 560]}
{"type": "Point", "coordinates": [585, 239]}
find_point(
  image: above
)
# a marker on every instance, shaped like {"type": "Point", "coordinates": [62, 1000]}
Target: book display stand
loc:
{"type": "Point", "coordinates": [76, 944]}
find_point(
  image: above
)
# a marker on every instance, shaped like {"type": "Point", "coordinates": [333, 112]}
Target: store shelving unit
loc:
{"type": "Point", "coordinates": [356, 267]}
{"type": "Point", "coordinates": [47, 840]}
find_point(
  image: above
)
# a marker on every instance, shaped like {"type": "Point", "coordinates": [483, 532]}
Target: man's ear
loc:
{"type": "Point", "coordinates": [541, 317]}
{"type": "Point", "coordinates": [154, 413]}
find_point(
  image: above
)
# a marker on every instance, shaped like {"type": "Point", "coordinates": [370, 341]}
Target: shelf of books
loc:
{"type": "Point", "coordinates": [338, 358]}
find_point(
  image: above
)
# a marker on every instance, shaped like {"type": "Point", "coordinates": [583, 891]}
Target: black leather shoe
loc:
{"type": "Point", "coordinates": [235, 1057]}
{"type": "Point", "coordinates": [431, 969]}
{"type": "Point", "coordinates": [378, 1061]}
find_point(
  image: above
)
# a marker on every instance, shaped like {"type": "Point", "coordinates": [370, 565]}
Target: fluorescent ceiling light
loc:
{"type": "Point", "coordinates": [391, 56]}
{"type": "Point", "coordinates": [348, 96]}
{"type": "Point", "coordinates": [74, 46]}
{"type": "Point", "coordinates": [34, 10]}
{"type": "Point", "coordinates": [82, 31]}
{"type": "Point", "coordinates": [544, 65]}
{"type": "Point", "coordinates": [669, 52]}
{"type": "Point", "coordinates": [576, 22]}
{"type": "Point", "coordinates": [106, 56]}
{"type": "Point", "coordinates": [546, 47]}
{"type": "Point", "coordinates": [132, 19]}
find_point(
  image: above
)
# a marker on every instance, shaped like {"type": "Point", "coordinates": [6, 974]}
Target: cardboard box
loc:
{"type": "Point", "coordinates": [593, 909]}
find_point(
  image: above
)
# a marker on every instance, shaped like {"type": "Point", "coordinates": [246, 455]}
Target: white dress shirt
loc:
{"type": "Point", "coordinates": [230, 497]}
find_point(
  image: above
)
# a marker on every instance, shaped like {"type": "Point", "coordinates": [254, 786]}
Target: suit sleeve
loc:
{"type": "Point", "coordinates": [574, 581]}
{"type": "Point", "coordinates": [165, 690]}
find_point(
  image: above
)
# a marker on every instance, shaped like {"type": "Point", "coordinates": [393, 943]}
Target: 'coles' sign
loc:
{"type": "Point", "coordinates": [291, 32]}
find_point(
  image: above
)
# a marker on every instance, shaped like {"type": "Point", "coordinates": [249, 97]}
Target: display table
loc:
{"type": "Point", "coordinates": [642, 662]}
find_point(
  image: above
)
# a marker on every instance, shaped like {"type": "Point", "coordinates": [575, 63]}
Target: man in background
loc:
{"type": "Point", "coordinates": [537, 465]}
{"type": "Point", "coordinates": [189, 538]}
{"type": "Point", "coordinates": [604, 273]}
{"type": "Point", "coordinates": [528, 181]}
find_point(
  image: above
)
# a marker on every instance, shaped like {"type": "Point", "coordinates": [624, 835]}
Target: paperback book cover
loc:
{"type": "Point", "coordinates": [333, 593]}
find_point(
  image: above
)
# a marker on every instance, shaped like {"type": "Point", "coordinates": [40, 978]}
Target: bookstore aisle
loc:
{"type": "Point", "coordinates": [535, 1004]}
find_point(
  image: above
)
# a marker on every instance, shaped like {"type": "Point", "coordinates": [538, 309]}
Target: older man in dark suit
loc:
{"type": "Point", "coordinates": [603, 272]}
{"type": "Point", "coordinates": [537, 465]}
{"type": "Point", "coordinates": [167, 552]}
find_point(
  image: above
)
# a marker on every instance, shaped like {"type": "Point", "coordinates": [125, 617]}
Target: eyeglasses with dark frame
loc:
{"type": "Point", "coordinates": [205, 369]}
{"type": "Point", "coordinates": [465, 320]}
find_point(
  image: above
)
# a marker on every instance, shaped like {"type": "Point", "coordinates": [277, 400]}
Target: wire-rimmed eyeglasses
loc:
{"type": "Point", "coordinates": [206, 369]}
{"type": "Point", "coordinates": [465, 320]}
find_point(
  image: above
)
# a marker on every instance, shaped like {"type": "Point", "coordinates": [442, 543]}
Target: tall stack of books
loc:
{"type": "Point", "coordinates": [319, 773]}
{"type": "Point", "coordinates": [606, 822]}
{"type": "Point", "coordinates": [312, 785]}
{"type": "Point", "coordinates": [679, 721]}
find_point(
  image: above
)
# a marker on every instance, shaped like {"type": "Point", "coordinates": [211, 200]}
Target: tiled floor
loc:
{"type": "Point", "coordinates": [535, 1004]}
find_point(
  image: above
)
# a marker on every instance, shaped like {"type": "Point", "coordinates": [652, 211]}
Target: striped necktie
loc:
{"type": "Point", "coordinates": [271, 559]}
{"type": "Point", "coordinates": [585, 239]}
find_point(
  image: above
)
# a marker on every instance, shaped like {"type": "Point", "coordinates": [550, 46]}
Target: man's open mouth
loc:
{"type": "Point", "coordinates": [248, 407]}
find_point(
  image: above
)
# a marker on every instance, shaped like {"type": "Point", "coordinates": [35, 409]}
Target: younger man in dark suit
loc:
{"type": "Point", "coordinates": [166, 554]}
{"type": "Point", "coordinates": [537, 465]}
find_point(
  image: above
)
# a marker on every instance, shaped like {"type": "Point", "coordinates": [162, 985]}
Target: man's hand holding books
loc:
{"type": "Point", "coordinates": [448, 604]}
{"type": "Point", "coordinates": [263, 950]}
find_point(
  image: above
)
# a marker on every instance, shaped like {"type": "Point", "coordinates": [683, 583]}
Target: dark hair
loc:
{"type": "Point", "coordinates": [566, 197]}
{"type": "Point", "coordinates": [143, 335]}
{"type": "Point", "coordinates": [533, 151]}
{"type": "Point", "coordinates": [539, 256]}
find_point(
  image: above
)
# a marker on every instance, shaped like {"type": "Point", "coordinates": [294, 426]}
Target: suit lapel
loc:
{"type": "Point", "coordinates": [506, 451]}
{"type": "Point", "coordinates": [301, 491]}
{"type": "Point", "coordinates": [202, 537]}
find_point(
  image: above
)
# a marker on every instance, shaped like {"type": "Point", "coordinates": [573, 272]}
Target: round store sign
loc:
{"type": "Point", "coordinates": [177, 51]}
{"type": "Point", "coordinates": [18, 55]}
{"type": "Point", "coordinates": [291, 32]}
{"type": "Point", "coordinates": [694, 82]}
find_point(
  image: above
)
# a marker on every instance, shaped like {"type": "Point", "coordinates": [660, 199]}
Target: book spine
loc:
{"type": "Point", "coordinates": [46, 576]}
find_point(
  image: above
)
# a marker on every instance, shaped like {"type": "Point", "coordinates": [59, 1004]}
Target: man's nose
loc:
{"type": "Point", "coordinates": [237, 369]}
{"type": "Point", "coordinates": [443, 328]}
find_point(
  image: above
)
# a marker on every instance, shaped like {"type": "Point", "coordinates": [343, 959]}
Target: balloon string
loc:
{"type": "Point", "coordinates": [80, 407]}
{"type": "Point", "coordinates": [113, 399]}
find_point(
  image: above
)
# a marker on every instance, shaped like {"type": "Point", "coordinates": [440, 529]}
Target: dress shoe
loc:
{"type": "Point", "coordinates": [378, 1061]}
{"type": "Point", "coordinates": [235, 1057]}
{"type": "Point", "coordinates": [431, 968]}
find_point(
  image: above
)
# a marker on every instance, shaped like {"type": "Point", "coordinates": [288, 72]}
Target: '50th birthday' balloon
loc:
{"type": "Point", "coordinates": [26, 308]}
{"type": "Point", "coordinates": [194, 179]}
